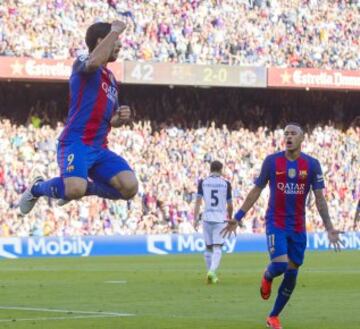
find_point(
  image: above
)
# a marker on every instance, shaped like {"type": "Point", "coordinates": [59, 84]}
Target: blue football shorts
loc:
{"type": "Point", "coordinates": [80, 160]}
{"type": "Point", "coordinates": [283, 242]}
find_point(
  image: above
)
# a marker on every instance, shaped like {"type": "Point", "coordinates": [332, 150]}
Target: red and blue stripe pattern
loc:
{"type": "Point", "coordinates": [290, 183]}
{"type": "Point", "coordinates": [93, 98]}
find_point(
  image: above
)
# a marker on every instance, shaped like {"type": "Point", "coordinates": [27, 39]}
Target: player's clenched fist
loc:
{"type": "Point", "coordinates": [122, 116]}
{"type": "Point", "coordinates": [124, 112]}
{"type": "Point", "coordinates": [118, 26]}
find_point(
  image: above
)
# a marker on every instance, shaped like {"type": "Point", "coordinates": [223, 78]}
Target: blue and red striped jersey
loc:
{"type": "Point", "coordinates": [290, 183]}
{"type": "Point", "coordinates": [93, 98]}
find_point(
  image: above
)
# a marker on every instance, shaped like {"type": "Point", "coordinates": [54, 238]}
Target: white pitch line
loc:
{"type": "Point", "coordinates": [331, 271]}
{"type": "Point", "coordinates": [121, 281]}
{"type": "Point", "coordinates": [38, 309]}
{"type": "Point", "coordinates": [59, 318]}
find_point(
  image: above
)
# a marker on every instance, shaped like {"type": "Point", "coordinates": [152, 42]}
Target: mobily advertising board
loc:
{"type": "Point", "coordinates": [162, 244]}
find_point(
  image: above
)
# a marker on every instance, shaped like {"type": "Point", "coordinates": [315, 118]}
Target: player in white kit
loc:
{"type": "Point", "coordinates": [217, 195]}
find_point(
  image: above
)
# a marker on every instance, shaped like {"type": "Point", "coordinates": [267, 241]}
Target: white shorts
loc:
{"type": "Point", "coordinates": [212, 233]}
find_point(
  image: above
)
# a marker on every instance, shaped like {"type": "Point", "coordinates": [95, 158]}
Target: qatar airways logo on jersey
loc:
{"type": "Point", "coordinates": [291, 188]}
{"type": "Point", "coordinates": [111, 91]}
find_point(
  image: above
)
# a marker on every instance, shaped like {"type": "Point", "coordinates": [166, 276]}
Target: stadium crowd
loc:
{"type": "Point", "coordinates": [168, 159]}
{"type": "Point", "coordinates": [297, 33]}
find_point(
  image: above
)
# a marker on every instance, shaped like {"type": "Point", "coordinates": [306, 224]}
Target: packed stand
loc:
{"type": "Point", "coordinates": [168, 163]}
{"type": "Point", "coordinates": [300, 33]}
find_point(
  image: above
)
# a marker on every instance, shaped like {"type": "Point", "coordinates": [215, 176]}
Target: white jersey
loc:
{"type": "Point", "coordinates": [216, 192]}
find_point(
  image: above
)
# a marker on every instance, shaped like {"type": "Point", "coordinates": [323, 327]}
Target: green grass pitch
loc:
{"type": "Point", "coordinates": [170, 292]}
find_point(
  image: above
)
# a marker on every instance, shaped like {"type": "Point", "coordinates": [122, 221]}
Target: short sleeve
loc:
{"type": "Point", "coordinates": [80, 63]}
{"type": "Point", "coordinates": [317, 178]}
{"type": "Point", "coordinates": [114, 83]}
{"type": "Point", "coordinates": [228, 192]}
{"type": "Point", "coordinates": [264, 176]}
{"type": "Point", "coordinates": [200, 192]}
{"type": "Point", "coordinates": [116, 104]}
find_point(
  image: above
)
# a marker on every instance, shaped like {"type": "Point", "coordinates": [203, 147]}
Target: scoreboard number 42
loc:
{"type": "Point", "coordinates": [143, 72]}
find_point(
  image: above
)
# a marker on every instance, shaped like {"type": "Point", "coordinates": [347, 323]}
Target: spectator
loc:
{"type": "Point", "coordinates": [248, 32]}
{"type": "Point", "coordinates": [169, 161]}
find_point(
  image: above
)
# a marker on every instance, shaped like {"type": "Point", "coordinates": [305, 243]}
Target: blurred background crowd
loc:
{"type": "Point", "coordinates": [296, 33]}
{"type": "Point", "coordinates": [175, 135]}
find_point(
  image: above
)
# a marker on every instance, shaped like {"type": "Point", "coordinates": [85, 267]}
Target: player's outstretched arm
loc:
{"type": "Point", "coordinates": [250, 200]}
{"type": "Point", "coordinates": [101, 53]}
{"type": "Point", "coordinates": [230, 209]}
{"type": "Point", "coordinates": [333, 235]}
{"type": "Point", "coordinates": [197, 211]}
{"type": "Point", "coordinates": [122, 115]}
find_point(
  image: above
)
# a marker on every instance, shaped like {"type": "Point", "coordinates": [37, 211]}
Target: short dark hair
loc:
{"type": "Point", "coordinates": [293, 123]}
{"type": "Point", "coordinates": [96, 31]}
{"type": "Point", "coordinates": [216, 166]}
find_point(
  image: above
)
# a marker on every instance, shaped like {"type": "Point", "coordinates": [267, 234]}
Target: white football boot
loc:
{"type": "Point", "coordinates": [27, 200]}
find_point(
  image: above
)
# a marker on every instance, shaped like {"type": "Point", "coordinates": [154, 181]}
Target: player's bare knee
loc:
{"type": "Point", "coordinates": [292, 265]}
{"type": "Point", "coordinates": [75, 188]}
{"type": "Point", "coordinates": [74, 192]}
{"type": "Point", "coordinates": [126, 183]}
{"type": "Point", "coordinates": [130, 189]}
{"type": "Point", "coordinates": [281, 259]}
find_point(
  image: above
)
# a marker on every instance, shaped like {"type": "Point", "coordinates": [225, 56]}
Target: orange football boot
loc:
{"type": "Point", "coordinates": [265, 289]}
{"type": "Point", "coordinates": [273, 322]}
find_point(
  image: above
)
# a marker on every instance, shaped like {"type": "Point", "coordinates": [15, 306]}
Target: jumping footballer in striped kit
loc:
{"type": "Point", "coordinates": [87, 166]}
